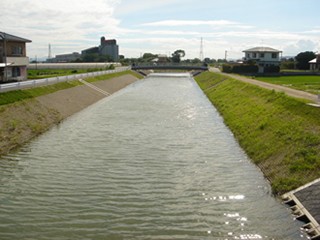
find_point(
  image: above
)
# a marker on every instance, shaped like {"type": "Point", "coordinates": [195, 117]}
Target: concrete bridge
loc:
{"type": "Point", "coordinates": [170, 66]}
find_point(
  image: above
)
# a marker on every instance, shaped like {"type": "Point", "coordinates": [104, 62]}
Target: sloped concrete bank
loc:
{"type": "Point", "coordinates": [21, 121]}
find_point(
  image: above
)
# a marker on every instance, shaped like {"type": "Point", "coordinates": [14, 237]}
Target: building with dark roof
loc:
{"type": "Point", "coordinates": [13, 58]}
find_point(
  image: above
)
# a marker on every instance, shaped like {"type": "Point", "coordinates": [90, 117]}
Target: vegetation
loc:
{"type": "Point", "coordinates": [304, 83]}
{"type": "Point", "coordinates": [18, 95]}
{"type": "Point", "coordinates": [45, 73]}
{"type": "Point", "coordinates": [177, 55]}
{"type": "Point", "coordinates": [303, 59]}
{"type": "Point", "coordinates": [279, 133]}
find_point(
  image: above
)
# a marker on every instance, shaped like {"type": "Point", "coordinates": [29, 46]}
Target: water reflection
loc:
{"type": "Point", "coordinates": [153, 161]}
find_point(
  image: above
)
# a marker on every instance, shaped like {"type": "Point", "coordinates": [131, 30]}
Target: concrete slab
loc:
{"type": "Point", "coordinates": [304, 204]}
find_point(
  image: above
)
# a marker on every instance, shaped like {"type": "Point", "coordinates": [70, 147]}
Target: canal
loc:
{"type": "Point", "coordinates": [153, 161]}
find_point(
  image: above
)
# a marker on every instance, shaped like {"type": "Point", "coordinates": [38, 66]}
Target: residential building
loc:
{"type": "Point", "coordinates": [13, 58]}
{"type": "Point", "coordinates": [109, 47]}
{"type": "Point", "coordinates": [264, 56]}
{"type": "Point", "coordinates": [315, 63]}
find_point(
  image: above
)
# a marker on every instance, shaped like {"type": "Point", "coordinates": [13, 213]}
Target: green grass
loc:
{"type": "Point", "coordinates": [45, 73]}
{"type": "Point", "coordinates": [18, 95]}
{"type": "Point", "coordinates": [279, 133]}
{"type": "Point", "coordinates": [304, 83]}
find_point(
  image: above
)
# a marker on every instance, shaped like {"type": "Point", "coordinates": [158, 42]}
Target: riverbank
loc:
{"type": "Point", "coordinates": [279, 133]}
{"type": "Point", "coordinates": [26, 118]}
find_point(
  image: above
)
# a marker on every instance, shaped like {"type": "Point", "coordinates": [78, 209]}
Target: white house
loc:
{"type": "Point", "coordinates": [264, 56]}
{"type": "Point", "coordinates": [315, 63]}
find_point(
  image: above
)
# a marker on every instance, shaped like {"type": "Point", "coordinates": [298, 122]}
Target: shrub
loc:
{"type": "Point", "coordinates": [272, 69]}
{"type": "Point", "coordinates": [227, 68]}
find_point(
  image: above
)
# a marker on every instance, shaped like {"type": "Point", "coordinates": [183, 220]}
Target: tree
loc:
{"type": "Point", "coordinates": [177, 55]}
{"type": "Point", "coordinates": [196, 60]}
{"type": "Point", "coordinates": [303, 59]}
{"type": "Point", "coordinates": [90, 57]}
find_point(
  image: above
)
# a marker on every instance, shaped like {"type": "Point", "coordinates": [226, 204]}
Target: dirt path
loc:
{"type": "Point", "coordinates": [289, 91]}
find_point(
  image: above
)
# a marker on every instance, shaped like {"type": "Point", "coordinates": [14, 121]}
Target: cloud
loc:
{"type": "Point", "coordinates": [214, 24]}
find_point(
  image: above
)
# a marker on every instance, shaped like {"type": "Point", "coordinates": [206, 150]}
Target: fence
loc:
{"type": "Point", "coordinates": [46, 81]}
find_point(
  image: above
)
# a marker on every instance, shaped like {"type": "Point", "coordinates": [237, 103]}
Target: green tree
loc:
{"type": "Point", "coordinates": [196, 60]}
{"type": "Point", "coordinates": [303, 59]}
{"type": "Point", "coordinates": [90, 57]}
{"type": "Point", "coordinates": [177, 55]}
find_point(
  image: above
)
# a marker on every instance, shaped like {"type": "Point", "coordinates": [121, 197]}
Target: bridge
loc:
{"type": "Point", "coordinates": [170, 66]}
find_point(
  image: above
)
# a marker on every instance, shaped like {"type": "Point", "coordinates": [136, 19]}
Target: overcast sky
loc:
{"type": "Point", "coordinates": [163, 26]}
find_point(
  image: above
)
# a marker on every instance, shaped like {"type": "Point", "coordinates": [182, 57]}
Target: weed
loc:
{"type": "Point", "coordinates": [269, 124]}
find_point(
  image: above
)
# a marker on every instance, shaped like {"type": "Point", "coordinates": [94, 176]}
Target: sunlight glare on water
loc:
{"type": "Point", "coordinates": [153, 161]}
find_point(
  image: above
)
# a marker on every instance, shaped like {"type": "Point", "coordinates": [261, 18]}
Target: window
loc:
{"type": "Point", "coordinates": [15, 50]}
{"type": "Point", "coordinates": [248, 55]}
{"type": "Point", "coordinates": [262, 55]}
{"type": "Point", "coordinates": [254, 55]}
{"type": "Point", "coordinates": [15, 72]}
{"type": "Point", "coordinates": [274, 55]}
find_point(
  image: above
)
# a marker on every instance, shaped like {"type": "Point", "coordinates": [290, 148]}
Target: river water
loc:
{"type": "Point", "coordinates": [153, 161]}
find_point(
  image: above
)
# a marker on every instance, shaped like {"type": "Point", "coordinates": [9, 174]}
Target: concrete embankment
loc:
{"type": "Point", "coordinates": [25, 119]}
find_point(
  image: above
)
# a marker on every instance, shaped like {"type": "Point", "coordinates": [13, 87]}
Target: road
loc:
{"type": "Point", "coordinates": [289, 91]}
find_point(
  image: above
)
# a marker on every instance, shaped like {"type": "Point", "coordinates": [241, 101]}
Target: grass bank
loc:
{"type": "Point", "coordinates": [18, 95]}
{"type": "Point", "coordinates": [279, 133]}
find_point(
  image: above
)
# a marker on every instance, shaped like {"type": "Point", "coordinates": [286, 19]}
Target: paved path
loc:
{"type": "Point", "coordinates": [289, 91]}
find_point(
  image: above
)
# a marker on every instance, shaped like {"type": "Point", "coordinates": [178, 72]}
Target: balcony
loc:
{"type": "Point", "coordinates": [17, 61]}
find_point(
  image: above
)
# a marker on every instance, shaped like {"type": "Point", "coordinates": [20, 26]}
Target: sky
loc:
{"type": "Point", "coordinates": [217, 29]}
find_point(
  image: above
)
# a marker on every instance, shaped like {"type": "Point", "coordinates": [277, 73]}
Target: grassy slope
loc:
{"type": "Point", "coordinates": [18, 95]}
{"type": "Point", "coordinates": [279, 133]}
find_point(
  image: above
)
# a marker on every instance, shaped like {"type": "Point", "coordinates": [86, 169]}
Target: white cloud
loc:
{"type": "Point", "coordinates": [60, 22]}
{"type": "Point", "coordinates": [214, 24]}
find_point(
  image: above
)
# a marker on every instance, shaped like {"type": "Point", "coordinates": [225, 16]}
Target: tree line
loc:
{"type": "Point", "coordinates": [301, 61]}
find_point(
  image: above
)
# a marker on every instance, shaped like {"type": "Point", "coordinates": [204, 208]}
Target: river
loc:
{"type": "Point", "coordinates": [153, 161]}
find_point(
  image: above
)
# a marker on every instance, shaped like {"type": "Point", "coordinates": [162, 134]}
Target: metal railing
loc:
{"type": "Point", "coordinates": [47, 81]}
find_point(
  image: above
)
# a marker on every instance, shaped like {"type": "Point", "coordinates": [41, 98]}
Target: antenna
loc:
{"type": "Point", "coordinates": [201, 51]}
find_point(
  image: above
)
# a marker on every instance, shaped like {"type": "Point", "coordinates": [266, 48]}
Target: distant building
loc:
{"type": "Point", "coordinates": [65, 57]}
{"type": "Point", "coordinates": [162, 58]}
{"type": "Point", "coordinates": [264, 56]}
{"type": "Point", "coordinates": [315, 63]}
{"type": "Point", "coordinates": [13, 58]}
{"type": "Point", "coordinates": [109, 47]}
{"type": "Point", "coordinates": [94, 50]}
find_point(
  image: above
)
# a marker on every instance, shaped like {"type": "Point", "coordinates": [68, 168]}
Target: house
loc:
{"type": "Point", "coordinates": [264, 56]}
{"type": "Point", "coordinates": [162, 58]}
{"type": "Point", "coordinates": [315, 63]}
{"type": "Point", "coordinates": [13, 58]}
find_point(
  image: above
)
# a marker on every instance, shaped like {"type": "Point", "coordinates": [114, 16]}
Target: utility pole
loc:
{"type": "Point", "coordinates": [5, 56]}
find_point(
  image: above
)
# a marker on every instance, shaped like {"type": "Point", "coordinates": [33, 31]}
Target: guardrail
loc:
{"type": "Point", "coordinates": [47, 81]}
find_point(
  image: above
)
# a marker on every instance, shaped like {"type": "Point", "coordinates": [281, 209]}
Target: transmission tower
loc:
{"type": "Point", "coordinates": [49, 54]}
{"type": "Point", "coordinates": [201, 51]}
